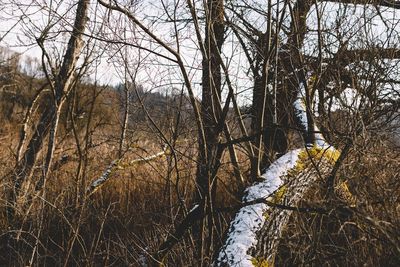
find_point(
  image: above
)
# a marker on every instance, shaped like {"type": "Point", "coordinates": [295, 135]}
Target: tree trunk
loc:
{"type": "Point", "coordinates": [50, 116]}
{"type": "Point", "coordinates": [260, 94]}
{"type": "Point", "coordinates": [208, 161]}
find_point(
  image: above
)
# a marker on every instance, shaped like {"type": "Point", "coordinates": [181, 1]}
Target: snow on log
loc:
{"type": "Point", "coordinates": [254, 233]}
{"type": "Point", "coordinates": [300, 111]}
{"type": "Point", "coordinates": [250, 219]}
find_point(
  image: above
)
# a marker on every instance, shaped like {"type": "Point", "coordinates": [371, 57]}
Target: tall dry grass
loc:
{"type": "Point", "coordinates": [122, 222]}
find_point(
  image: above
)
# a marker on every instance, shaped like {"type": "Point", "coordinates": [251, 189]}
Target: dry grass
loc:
{"type": "Point", "coordinates": [130, 216]}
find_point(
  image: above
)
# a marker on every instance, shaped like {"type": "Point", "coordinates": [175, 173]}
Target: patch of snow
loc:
{"type": "Point", "coordinates": [272, 177]}
{"type": "Point", "coordinates": [300, 108]}
{"type": "Point", "coordinates": [300, 111]}
{"type": "Point", "coordinates": [249, 219]}
{"type": "Point", "coordinates": [320, 140]}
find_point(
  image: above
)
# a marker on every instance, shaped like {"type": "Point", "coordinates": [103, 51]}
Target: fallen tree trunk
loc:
{"type": "Point", "coordinates": [255, 232]}
{"type": "Point", "coordinates": [118, 164]}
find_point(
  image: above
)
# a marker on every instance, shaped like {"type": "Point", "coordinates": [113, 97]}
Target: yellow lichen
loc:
{"type": "Point", "coordinates": [344, 192]}
{"type": "Point", "coordinates": [260, 262]}
{"type": "Point", "coordinates": [275, 198]}
{"type": "Point", "coordinates": [300, 166]}
{"type": "Point", "coordinates": [279, 194]}
{"type": "Point", "coordinates": [311, 81]}
{"type": "Point", "coordinates": [317, 153]}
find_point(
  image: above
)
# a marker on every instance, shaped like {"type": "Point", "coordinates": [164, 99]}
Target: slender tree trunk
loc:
{"type": "Point", "coordinates": [125, 120]}
{"type": "Point", "coordinates": [23, 169]}
{"type": "Point", "coordinates": [234, 158]}
{"type": "Point", "coordinates": [51, 146]}
{"type": "Point", "coordinates": [27, 119]}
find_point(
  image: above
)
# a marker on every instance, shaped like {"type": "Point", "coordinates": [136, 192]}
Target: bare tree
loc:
{"type": "Point", "coordinates": [61, 81]}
